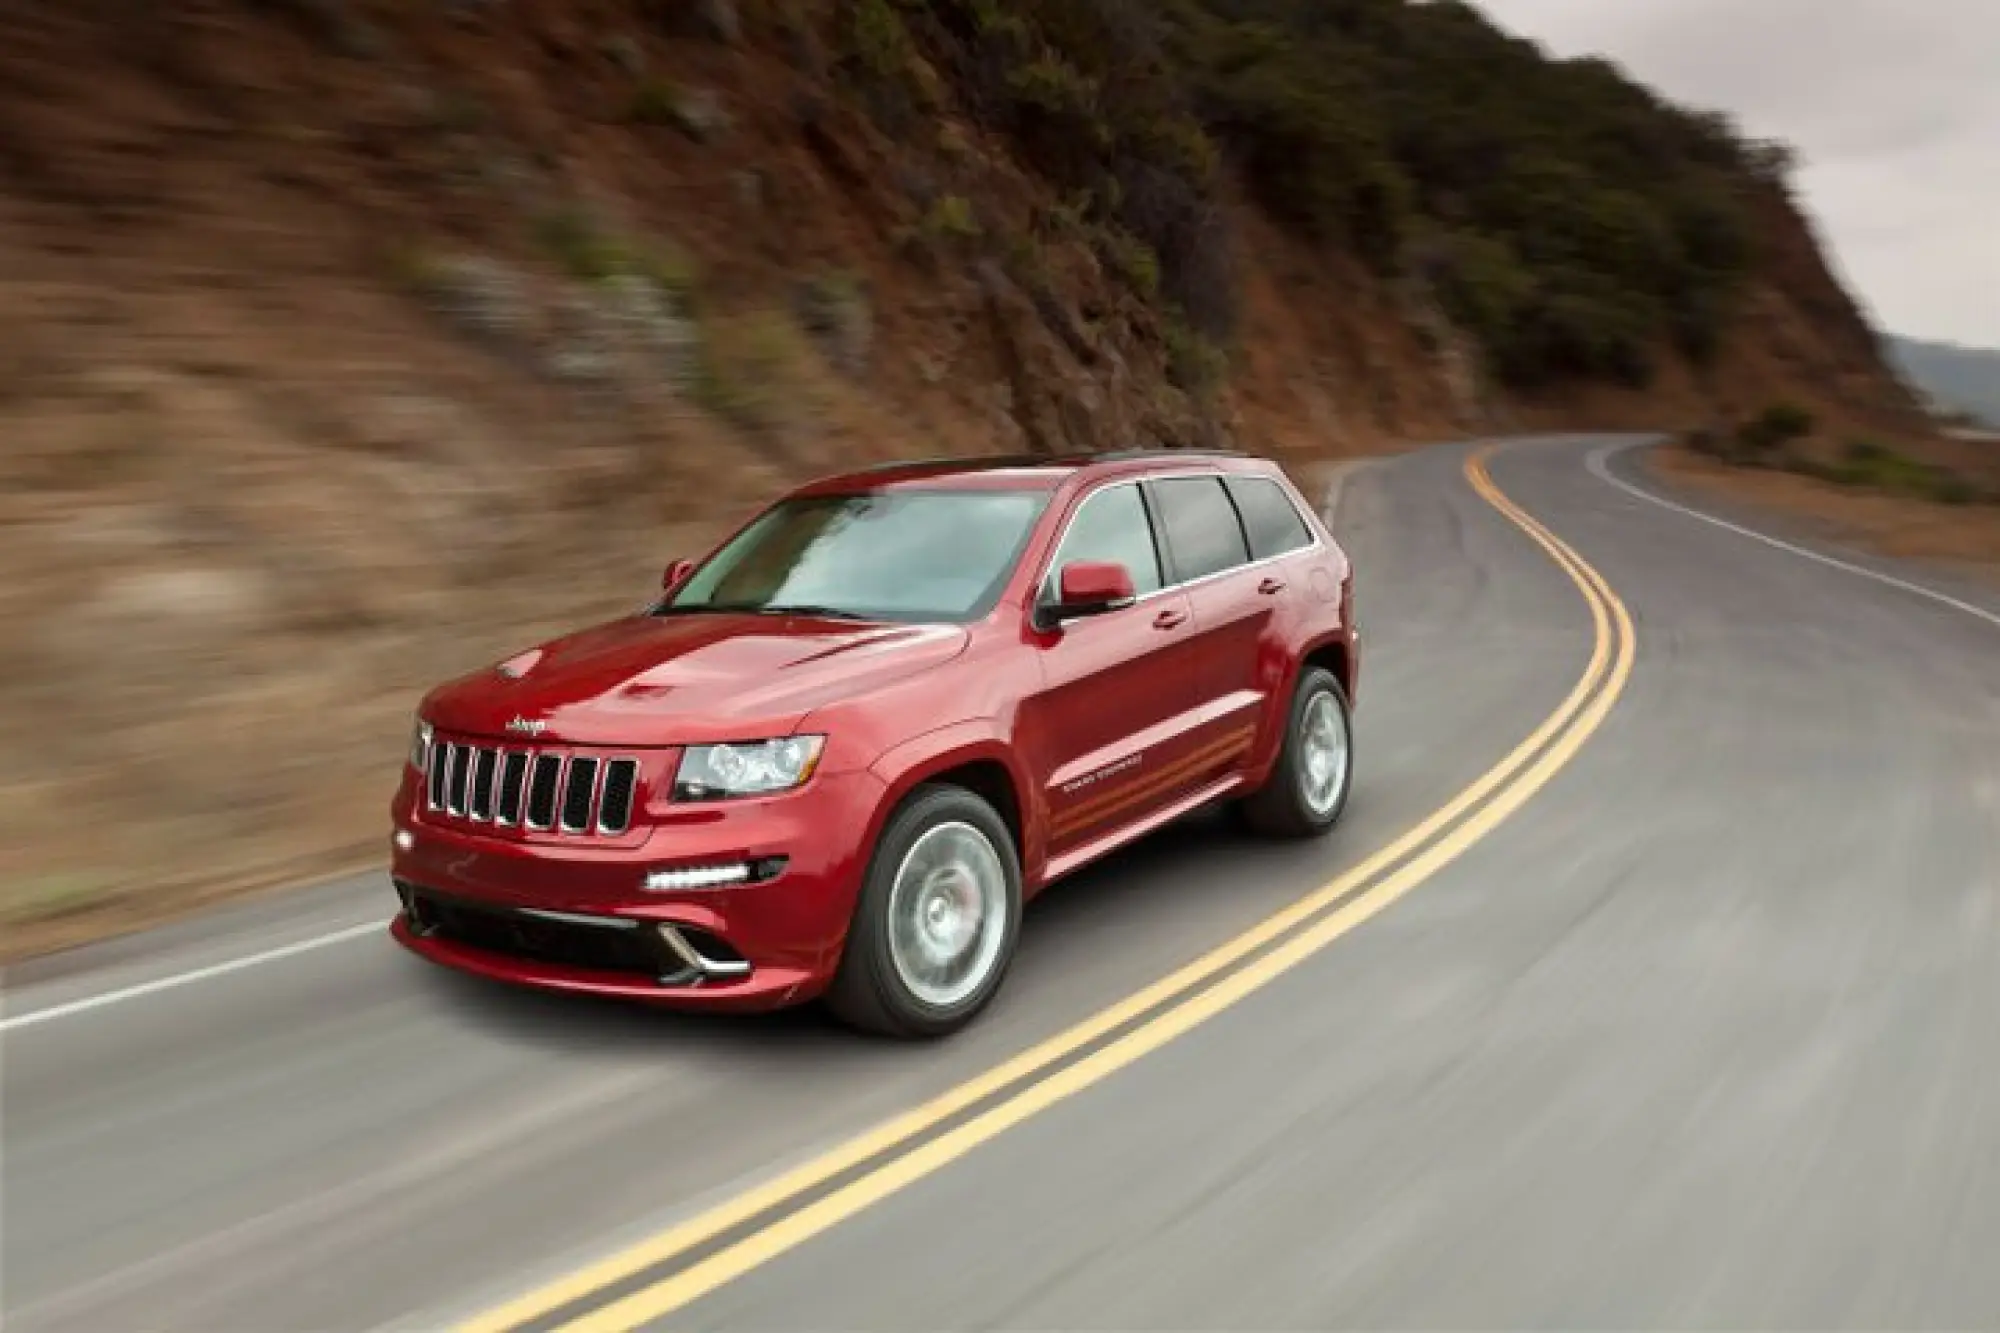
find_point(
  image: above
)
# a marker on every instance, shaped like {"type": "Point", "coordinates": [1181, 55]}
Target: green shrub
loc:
{"type": "Point", "coordinates": [1709, 442]}
{"type": "Point", "coordinates": [953, 144]}
{"type": "Point", "coordinates": [654, 102]}
{"type": "Point", "coordinates": [1131, 259]}
{"type": "Point", "coordinates": [750, 369]}
{"type": "Point", "coordinates": [580, 247]}
{"type": "Point", "coordinates": [1876, 466]}
{"type": "Point", "coordinates": [951, 218]}
{"type": "Point", "coordinates": [1194, 363]}
{"type": "Point", "coordinates": [589, 253]}
{"type": "Point", "coordinates": [882, 63]}
{"type": "Point", "coordinates": [877, 39]}
{"type": "Point", "coordinates": [1949, 489]}
{"type": "Point", "coordinates": [1767, 434]}
{"type": "Point", "coordinates": [670, 269]}
{"type": "Point", "coordinates": [1052, 85]}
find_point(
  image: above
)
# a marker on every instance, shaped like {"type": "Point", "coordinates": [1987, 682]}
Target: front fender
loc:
{"type": "Point", "coordinates": [974, 741]}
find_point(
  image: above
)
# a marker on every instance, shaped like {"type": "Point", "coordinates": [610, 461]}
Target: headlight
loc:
{"type": "Point", "coordinates": [420, 745]}
{"type": "Point", "coordinates": [753, 768]}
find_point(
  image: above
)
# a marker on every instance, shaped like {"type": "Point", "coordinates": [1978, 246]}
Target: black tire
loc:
{"type": "Point", "coordinates": [1279, 809]}
{"type": "Point", "coordinates": [868, 991]}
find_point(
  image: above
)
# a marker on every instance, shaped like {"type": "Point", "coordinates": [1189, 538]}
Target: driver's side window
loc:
{"type": "Point", "coordinates": [1111, 524]}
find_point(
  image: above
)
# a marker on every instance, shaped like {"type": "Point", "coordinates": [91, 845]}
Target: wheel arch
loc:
{"type": "Point", "coordinates": [971, 755]}
{"type": "Point", "coordinates": [1336, 654]}
{"type": "Point", "coordinates": [1332, 651]}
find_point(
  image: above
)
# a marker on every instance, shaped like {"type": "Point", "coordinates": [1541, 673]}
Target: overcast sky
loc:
{"type": "Point", "coordinates": [1893, 105]}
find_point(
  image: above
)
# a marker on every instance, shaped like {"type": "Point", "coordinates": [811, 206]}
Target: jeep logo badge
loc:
{"type": "Point", "coordinates": [527, 726]}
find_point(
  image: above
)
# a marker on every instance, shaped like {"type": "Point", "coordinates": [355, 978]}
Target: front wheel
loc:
{"type": "Point", "coordinates": [1307, 789]}
{"type": "Point", "coordinates": [937, 920]}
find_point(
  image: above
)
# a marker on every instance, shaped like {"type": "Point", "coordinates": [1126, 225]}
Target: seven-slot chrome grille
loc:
{"type": "Point", "coordinates": [538, 791]}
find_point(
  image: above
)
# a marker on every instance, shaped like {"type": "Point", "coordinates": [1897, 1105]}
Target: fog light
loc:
{"type": "Point", "coordinates": [696, 877]}
{"type": "Point", "coordinates": [405, 840]}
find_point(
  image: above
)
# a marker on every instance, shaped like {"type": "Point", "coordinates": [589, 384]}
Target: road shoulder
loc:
{"type": "Point", "coordinates": [1960, 543]}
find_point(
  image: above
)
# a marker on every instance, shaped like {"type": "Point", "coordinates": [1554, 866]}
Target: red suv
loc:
{"type": "Point", "coordinates": [839, 754]}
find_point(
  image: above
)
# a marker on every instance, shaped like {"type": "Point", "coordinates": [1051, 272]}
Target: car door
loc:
{"type": "Point", "coordinates": [1283, 554]}
{"type": "Point", "coordinates": [1108, 726]}
{"type": "Point", "coordinates": [1208, 554]}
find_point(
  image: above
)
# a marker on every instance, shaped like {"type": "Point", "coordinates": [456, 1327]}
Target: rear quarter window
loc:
{"type": "Point", "coordinates": [1270, 518]}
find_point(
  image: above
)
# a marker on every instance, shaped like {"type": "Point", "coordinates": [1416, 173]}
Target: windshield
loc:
{"type": "Point", "coordinates": [891, 555]}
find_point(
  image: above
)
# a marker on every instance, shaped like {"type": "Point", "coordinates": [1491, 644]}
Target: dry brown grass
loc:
{"type": "Point", "coordinates": [1964, 539]}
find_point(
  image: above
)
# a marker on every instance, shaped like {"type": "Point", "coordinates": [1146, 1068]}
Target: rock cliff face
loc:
{"type": "Point", "coordinates": [352, 343]}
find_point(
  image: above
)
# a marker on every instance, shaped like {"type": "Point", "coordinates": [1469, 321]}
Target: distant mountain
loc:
{"type": "Point", "coordinates": [1965, 378]}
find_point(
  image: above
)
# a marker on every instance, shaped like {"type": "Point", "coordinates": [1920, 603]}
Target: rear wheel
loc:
{"type": "Point", "coordinates": [1307, 789]}
{"type": "Point", "coordinates": [937, 920]}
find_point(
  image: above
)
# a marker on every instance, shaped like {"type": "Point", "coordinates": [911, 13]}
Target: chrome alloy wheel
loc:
{"type": "Point", "coordinates": [1323, 753]}
{"type": "Point", "coordinates": [947, 914]}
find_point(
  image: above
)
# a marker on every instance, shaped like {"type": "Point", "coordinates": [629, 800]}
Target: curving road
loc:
{"type": "Point", "coordinates": [1684, 1019]}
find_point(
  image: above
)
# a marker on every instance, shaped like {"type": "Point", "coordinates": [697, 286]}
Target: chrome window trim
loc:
{"type": "Point", "coordinates": [1041, 581]}
{"type": "Point", "coordinates": [1042, 588]}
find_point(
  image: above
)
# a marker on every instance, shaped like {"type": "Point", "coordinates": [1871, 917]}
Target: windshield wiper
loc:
{"type": "Point", "coordinates": [755, 609]}
{"type": "Point", "coordinates": [806, 609]}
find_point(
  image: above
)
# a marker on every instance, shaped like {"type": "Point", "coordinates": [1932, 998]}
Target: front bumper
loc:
{"type": "Point", "coordinates": [577, 917]}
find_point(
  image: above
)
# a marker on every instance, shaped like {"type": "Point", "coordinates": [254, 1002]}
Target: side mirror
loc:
{"type": "Point", "coordinates": [1090, 588]}
{"type": "Point", "coordinates": [676, 575]}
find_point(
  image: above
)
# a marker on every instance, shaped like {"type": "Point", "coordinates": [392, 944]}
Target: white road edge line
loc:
{"type": "Point", "coordinates": [179, 979]}
{"type": "Point", "coordinates": [1602, 472]}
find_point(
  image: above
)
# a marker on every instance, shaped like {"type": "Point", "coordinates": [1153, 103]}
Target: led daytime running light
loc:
{"type": "Point", "coordinates": [696, 877]}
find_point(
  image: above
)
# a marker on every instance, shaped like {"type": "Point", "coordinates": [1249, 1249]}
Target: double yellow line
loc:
{"type": "Point", "coordinates": [664, 1274]}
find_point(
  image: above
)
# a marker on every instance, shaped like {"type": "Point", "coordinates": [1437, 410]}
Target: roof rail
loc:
{"type": "Point", "coordinates": [953, 461]}
{"type": "Point", "coordinates": [1163, 451]}
{"type": "Point", "coordinates": [1077, 458]}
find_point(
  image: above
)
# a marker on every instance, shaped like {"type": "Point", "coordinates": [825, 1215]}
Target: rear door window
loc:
{"type": "Point", "coordinates": [1203, 534]}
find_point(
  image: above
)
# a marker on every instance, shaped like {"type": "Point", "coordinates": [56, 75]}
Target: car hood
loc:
{"type": "Point", "coordinates": [689, 679]}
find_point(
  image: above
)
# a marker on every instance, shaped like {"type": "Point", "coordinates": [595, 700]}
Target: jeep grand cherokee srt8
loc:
{"type": "Point", "coordinates": [838, 755]}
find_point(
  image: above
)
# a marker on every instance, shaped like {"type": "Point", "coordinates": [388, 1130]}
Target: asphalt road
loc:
{"type": "Point", "coordinates": [1698, 1035]}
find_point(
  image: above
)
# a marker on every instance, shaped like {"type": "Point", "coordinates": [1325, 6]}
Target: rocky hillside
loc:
{"type": "Point", "coordinates": [354, 342]}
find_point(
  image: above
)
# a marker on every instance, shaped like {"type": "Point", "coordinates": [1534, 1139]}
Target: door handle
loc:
{"type": "Point", "coordinates": [1271, 584]}
{"type": "Point", "coordinates": [1169, 618]}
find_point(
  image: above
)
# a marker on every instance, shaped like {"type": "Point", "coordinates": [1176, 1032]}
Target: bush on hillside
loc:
{"type": "Point", "coordinates": [1090, 95]}
{"type": "Point", "coordinates": [1585, 224]}
{"type": "Point", "coordinates": [1767, 434]}
{"type": "Point", "coordinates": [1877, 466]}
{"type": "Point", "coordinates": [1573, 223]}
